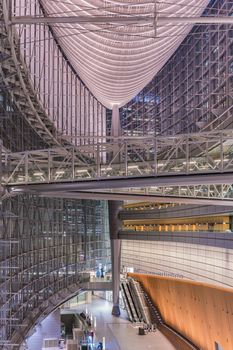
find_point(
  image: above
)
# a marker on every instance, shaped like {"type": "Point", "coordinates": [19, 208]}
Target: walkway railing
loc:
{"type": "Point", "coordinates": [124, 157]}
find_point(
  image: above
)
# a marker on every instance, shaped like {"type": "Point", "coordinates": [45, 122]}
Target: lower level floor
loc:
{"type": "Point", "coordinates": [115, 333]}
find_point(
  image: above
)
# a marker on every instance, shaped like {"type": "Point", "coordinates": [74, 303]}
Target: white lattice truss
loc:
{"type": "Point", "coordinates": [116, 60]}
{"type": "Point", "coordinates": [131, 159]}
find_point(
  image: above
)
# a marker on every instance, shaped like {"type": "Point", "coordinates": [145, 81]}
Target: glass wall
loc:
{"type": "Point", "coordinates": [47, 245]}
{"type": "Point", "coordinates": [193, 91]}
{"type": "Point", "coordinates": [75, 112]}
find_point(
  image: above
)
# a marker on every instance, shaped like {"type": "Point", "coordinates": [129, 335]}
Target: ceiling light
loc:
{"type": "Point", "coordinates": [38, 173]}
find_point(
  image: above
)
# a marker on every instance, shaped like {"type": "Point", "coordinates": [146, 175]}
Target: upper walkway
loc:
{"type": "Point", "coordinates": [185, 162]}
{"type": "Point", "coordinates": [109, 157]}
{"type": "Point", "coordinates": [180, 211]}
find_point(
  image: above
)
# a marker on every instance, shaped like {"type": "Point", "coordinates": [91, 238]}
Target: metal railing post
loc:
{"type": "Point", "coordinates": [26, 168]}
{"type": "Point", "coordinates": [187, 154]}
{"type": "Point", "coordinates": [155, 153]}
{"type": "Point", "coordinates": [98, 160]}
{"type": "Point", "coordinates": [72, 164]}
{"type": "Point", "coordinates": [49, 166]}
{"type": "Point", "coordinates": [126, 157]}
{"type": "Point", "coordinates": [221, 153]}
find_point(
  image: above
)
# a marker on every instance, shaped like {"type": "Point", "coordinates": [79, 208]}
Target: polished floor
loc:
{"type": "Point", "coordinates": [119, 333]}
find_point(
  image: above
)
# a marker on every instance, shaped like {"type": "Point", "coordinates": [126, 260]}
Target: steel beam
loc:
{"type": "Point", "coordinates": [126, 182]}
{"type": "Point", "coordinates": [29, 20]}
{"type": "Point", "coordinates": [136, 197]}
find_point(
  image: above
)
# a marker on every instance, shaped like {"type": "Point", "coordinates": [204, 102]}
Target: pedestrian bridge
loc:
{"type": "Point", "coordinates": [125, 157]}
{"type": "Point", "coordinates": [190, 165]}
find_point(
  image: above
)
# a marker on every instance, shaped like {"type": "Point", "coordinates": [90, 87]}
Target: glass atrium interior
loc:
{"type": "Point", "coordinates": [116, 141]}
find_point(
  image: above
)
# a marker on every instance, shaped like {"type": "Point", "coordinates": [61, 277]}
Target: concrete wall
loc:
{"type": "Point", "coordinates": [198, 262]}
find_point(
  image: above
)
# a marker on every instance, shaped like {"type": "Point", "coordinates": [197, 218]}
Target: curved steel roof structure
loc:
{"type": "Point", "coordinates": [116, 60]}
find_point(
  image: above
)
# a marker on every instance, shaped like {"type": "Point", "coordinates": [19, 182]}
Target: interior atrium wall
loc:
{"type": "Point", "coordinates": [198, 262]}
{"type": "Point", "coordinates": [193, 91]}
{"type": "Point", "coordinates": [67, 103]}
{"type": "Point", "coordinates": [15, 132]}
{"type": "Point", "coordinates": [46, 244]}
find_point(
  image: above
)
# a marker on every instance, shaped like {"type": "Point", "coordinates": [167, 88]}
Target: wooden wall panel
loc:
{"type": "Point", "coordinates": [202, 313]}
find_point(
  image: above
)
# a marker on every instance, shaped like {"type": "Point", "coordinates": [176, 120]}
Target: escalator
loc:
{"type": "Point", "coordinates": [137, 305]}
{"type": "Point", "coordinates": [139, 298]}
{"type": "Point", "coordinates": [140, 308]}
{"type": "Point", "coordinates": [126, 302]}
{"type": "Point", "coordinates": [154, 313]}
{"type": "Point", "coordinates": [130, 304]}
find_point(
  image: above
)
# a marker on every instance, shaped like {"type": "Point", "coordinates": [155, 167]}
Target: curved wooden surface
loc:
{"type": "Point", "coordinates": [201, 312]}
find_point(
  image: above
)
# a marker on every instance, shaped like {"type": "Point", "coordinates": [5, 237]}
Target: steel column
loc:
{"type": "Point", "coordinates": [114, 208]}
